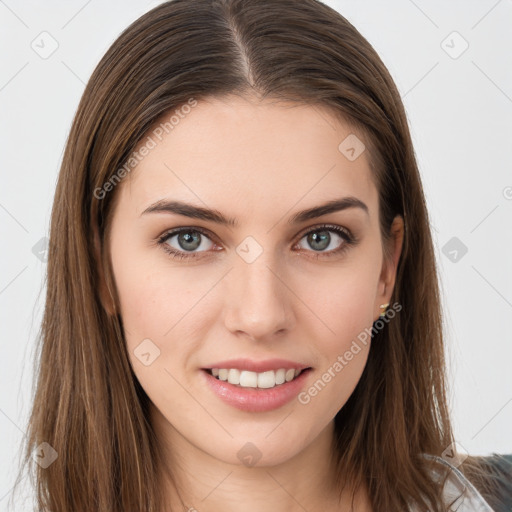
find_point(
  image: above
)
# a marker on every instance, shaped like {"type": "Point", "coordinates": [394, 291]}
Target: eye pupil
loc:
{"type": "Point", "coordinates": [185, 238]}
{"type": "Point", "coordinates": [321, 237]}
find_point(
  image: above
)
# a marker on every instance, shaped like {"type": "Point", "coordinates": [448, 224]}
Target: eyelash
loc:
{"type": "Point", "coordinates": [349, 240]}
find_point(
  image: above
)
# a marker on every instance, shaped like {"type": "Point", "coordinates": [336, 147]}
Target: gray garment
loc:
{"type": "Point", "coordinates": [458, 487]}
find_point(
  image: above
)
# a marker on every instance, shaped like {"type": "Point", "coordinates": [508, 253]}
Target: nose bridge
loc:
{"type": "Point", "coordinates": [258, 302]}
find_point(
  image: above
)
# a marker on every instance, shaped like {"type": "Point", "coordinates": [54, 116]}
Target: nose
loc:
{"type": "Point", "coordinates": [258, 298]}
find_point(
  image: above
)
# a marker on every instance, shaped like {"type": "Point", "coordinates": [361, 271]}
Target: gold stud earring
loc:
{"type": "Point", "coordinates": [384, 308]}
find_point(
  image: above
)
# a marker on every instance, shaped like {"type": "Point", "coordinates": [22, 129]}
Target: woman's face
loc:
{"type": "Point", "coordinates": [274, 284]}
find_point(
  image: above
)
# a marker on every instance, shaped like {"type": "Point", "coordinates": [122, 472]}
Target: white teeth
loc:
{"type": "Point", "coordinates": [267, 379]}
{"type": "Point", "coordinates": [234, 376]}
{"type": "Point", "coordinates": [263, 380]}
{"type": "Point", "coordinates": [290, 374]}
{"type": "Point", "coordinates": [280, 376]}
{"type": "Point", "coordinates": [248, 379]}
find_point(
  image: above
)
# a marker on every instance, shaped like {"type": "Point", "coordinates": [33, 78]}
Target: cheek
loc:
{"type": "Point", "coordinates": [164, 303]}
{"type": "Point", "coordinates": [341, 303]}
{"type": "Point", "coordinates": [152, 295]}
{"type": "Point", "coordinates": [326, 394]}
{"type": "Point", "coordinates": [344, 350]}
{"type": "Point", "coordinates": [158, 319]}
{"type": "Point", "coordinates": [141, 299]}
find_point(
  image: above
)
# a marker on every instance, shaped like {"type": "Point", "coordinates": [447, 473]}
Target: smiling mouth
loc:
{"type": "Point", "coordinates": [260, 380]}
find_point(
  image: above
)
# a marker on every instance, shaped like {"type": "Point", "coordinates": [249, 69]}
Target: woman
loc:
{"type": "Point", "coordinates": [243, 308]}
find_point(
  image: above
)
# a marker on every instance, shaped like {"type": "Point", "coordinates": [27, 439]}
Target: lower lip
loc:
{"type": "Point", "coordinates": [256, 399]}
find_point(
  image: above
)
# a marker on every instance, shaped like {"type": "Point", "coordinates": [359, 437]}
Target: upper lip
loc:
{"type": "Point", "coordinates": [258, 366]}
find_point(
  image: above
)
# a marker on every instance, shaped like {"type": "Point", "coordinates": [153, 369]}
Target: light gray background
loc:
{"type": "Point", "coordinates": [460, 113]}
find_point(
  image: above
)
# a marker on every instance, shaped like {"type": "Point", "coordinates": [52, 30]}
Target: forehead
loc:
{"type": "Point", "coordinates": [233, 150]}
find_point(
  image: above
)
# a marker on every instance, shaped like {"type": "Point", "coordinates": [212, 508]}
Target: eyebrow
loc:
{"type": "Point", "coordinates": [198, 212]}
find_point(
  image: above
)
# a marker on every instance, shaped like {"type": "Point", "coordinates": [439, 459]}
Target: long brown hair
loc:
{"type": "Point", "coordinates": [88, 405]}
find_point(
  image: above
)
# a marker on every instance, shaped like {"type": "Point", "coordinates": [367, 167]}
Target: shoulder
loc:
{"type": "Point", "coordinates": [478, 484]}
{"type": "Point", "coordinates": [458, 491]}
{"type": "Point", "coordinates": [496, 487]}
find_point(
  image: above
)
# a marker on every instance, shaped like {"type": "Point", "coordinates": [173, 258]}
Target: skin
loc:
{"type": "Point", "coordinates": [258, 162]}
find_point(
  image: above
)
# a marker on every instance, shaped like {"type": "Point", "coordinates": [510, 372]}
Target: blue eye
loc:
{"type": "Point", "coordinates": [320, 239]}
{"type": "Point", "coordinates": [190, 241]}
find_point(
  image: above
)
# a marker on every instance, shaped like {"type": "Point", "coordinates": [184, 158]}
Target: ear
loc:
{"type": "Point", "coordinates": [390, 265]}
{"type": "Point", "coordinates": [105, 296]}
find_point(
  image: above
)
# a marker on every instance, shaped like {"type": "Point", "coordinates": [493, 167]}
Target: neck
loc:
{"type": "Point", "coordinates": [204, 483]}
